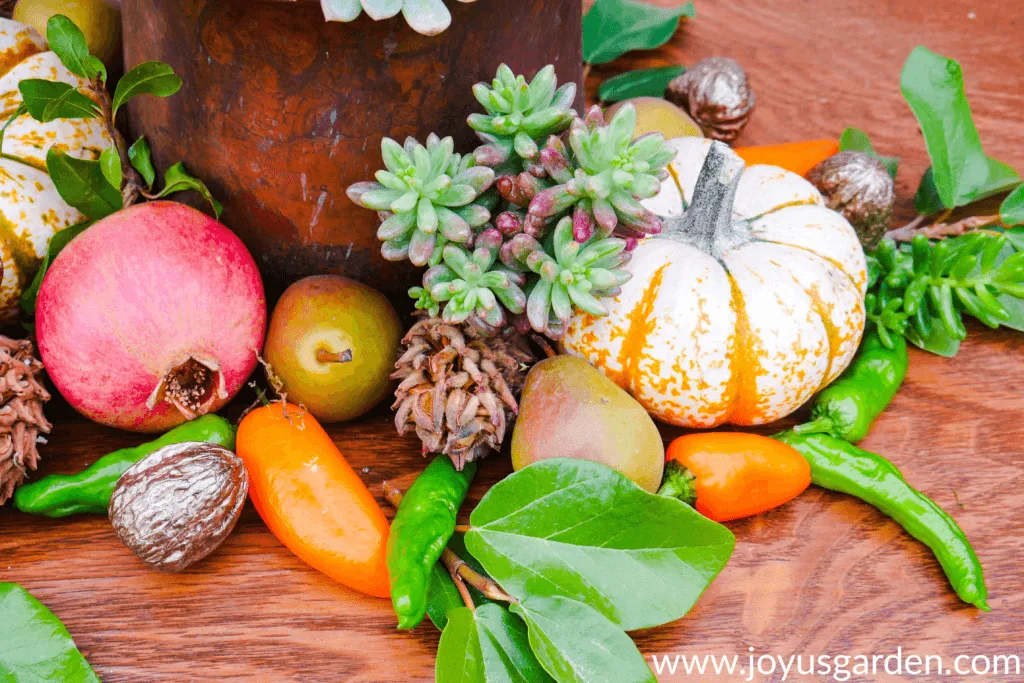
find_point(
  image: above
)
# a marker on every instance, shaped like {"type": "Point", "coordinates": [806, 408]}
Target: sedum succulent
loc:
{"type": "Point", "coordinates": [429, 193]}
{"type": "Point", "coordinates": [572, 276]}
{"type": "Point", "coordinates": [428, 17]}
{"type": "Point", "coordinates": [472, 286]}
{"type": "Point", "coordinates": [518, 115]}
{"type": "Point", "coordinates": [602, 175]}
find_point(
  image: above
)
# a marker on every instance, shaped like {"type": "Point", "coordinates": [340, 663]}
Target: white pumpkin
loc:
{"type": "Point", "coordinates": [749, 301]}
{"type": "Point", "coordinates": [31, 210]}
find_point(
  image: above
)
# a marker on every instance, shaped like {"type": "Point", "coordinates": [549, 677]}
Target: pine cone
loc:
{"type": "Point", "coordinates": [458, 387]}
{"type": "Point", "coordinates": [22, 396]}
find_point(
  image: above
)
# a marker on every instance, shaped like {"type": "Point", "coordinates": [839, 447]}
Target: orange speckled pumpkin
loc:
{"type": "Point", "coordinates": [31, 210]}
{"type": "Point", "coordinates": [748, 302]}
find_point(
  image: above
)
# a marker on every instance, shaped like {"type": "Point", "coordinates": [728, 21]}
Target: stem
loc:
{"type": "Point", "coordinates": [939, 230]}
{"type": "Point", "coordinates": [678, 482]}
{"type": "Point", "coordinates": [325, 356]}
{"type": "Point", "coordinates": [823, 425]}
{"type": "Point", "coordinates": [456, 566]}
{"type": "Point", "coordinates": [586, 72]}
{"type": "Point", "coordinates": [460, 586]}
{"type": "Point", "coordinates": [132, 185]}
{"type": "Point", "coordinates": [710, 212]}
{"type": "Point", "coordinates": [462, 528]}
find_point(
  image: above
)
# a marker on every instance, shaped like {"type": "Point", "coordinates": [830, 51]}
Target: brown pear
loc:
{"type": "Point", "coordinates": [570, 410]}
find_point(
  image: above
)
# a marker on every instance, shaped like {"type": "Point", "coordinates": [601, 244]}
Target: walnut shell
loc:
{"type": "Point", "coordinates": [716, 94]}
{"type": "Point", "coordinates": [178, 504]}
{"type": "Point", "coordinates": [858, 186]}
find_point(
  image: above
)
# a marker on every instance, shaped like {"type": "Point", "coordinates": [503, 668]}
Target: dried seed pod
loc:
{"type": "Point", "coordinates": [178, 504]}
{"type": "Point", "coordinates": [716, 94]}
{"type": "Point", "coordinates": [858, 186]}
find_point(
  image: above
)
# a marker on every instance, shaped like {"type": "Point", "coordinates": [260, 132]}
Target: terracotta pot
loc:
{"type": "Point", "coordinates": [281, 111]}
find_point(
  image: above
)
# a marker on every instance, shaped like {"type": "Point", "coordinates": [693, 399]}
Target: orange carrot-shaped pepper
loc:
{"type": "Point", "coordinates": [728, 475]}
{"type": "Point", "coordinates": [312, 499]}
{"type": "Point", "coordinates": [798, 157]}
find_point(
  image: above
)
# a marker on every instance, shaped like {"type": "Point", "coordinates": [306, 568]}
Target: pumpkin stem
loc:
{"type": "Point", "coordinates": [710, 212]}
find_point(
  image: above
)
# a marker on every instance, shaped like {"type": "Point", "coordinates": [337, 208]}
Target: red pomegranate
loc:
{"type": "Point", "coordinates": [151, 317]}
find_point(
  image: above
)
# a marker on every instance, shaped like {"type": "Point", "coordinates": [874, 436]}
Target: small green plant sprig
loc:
{"type": "Point", "coordinates": [121, 174]}
{"type": "Point", "coordinates": [923, 289]}
{"type": "Point", "coordinates": [540, 165]}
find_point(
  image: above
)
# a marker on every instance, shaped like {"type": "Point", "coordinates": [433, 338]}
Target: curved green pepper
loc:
{"type": "Point", "coordinates": [423, 524]}
{"type": "Point", "coordinates": [849, 405]}
{"type": "Point", "coordinates": [62, 495]}
{"type": "Point", "coordinates": [839, 466]}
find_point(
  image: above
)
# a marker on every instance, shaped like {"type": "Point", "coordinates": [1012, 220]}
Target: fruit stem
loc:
{"type": "Point", "coordinates": [456, 566]}
{"type": "Point", "coordinates": [678, 482]}
{"type": "Point", "coordinates": [325, 356]}
{"type": "Point", "coordinates": [822, 425]}
{"type": "Point", "coordinates": [709, 215]}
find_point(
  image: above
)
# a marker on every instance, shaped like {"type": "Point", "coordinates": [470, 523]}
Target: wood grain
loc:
{"type": "Point", "coordinates": [825, 574]}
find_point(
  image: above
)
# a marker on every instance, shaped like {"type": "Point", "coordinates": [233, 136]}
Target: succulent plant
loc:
{"type": "Point", "coordinates": [472, 286]}
{"type": "Point", "coordinates": [518, 115]}
{"type": "Point", "coordinates": [429, 193]}
{"type": "Point", "coordinates": [428, 17]}
{"type": "Point", "coordinates": [602, 175]}
{"type": "Point", "coordinates": [577, 276]}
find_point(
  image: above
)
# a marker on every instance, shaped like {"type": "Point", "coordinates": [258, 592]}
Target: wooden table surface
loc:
{"type": "Point", "coordinates": [825, 574]}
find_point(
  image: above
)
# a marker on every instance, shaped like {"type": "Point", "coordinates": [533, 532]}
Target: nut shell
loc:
{"type": "Point", "coordinates": [859, 187]}
{"type": "Point", "coordinates": [178, 504]}
{"type": "Point", "coordinates": [717, 95]}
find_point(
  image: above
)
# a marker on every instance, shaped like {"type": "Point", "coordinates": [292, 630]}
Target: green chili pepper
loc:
{"type": "Point", "coordinates": [849, 405]}
{"type": "Point", "coordinates": [62, 495]}
{"type": "Point", "coordinates": [423, 524]}
{"type": "Point", "coordinates": [839, 466]}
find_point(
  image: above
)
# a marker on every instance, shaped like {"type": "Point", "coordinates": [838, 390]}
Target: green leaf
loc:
{"type": "Point", "coordinates": [57, 243]}
{"type": "Point", "coordinates": [442, 596]}
{"type": "Point", "coordinates": [96, 68]}
{"type": "Point", "coordinates": [639, 83]}
{"type": "Point", "coordinates": [177, 179]}
{"type": "Point", "coordinates": [614, 27]}
{"type": "Point", "coordinates": [488, 645]}
{"type": "Point", "coordinates": [1011, 212]}
{"type": "Point", "coordinates": [110, 166]}
{"type": "Point", "coordinates": [82, 185]}
{"type": "Point", "coordinates": [961, 172]}
{"type": "Point", "coordinates": [69, 44]}
{"type": "Point", "coordinates": [858, 141]}
{"type": "Point", "coordinates": [576, 643]}
{"type": "Point", "coordinates": [148, 78]}
{"type": "Point", "coordinates": [927, 200]}
{"type": "Point", "coordinates": [939, 341]}
{"type": "Point", "coordinates": [582, 530]}
{"type": "Point", "coordinates": [49, 100]}
{"type": "Point", "coordinates": [35, 644]}
{"type": "Point", "coordinates": [141, 160]}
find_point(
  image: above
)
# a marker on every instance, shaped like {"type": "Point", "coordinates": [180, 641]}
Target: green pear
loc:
{"type": "Point", "coordinates": [570, 410]}
{"type": "Point", "coordinates": [333, 342]}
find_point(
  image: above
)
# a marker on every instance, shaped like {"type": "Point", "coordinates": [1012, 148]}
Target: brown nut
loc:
{"type": "Point", "coordinates": [858, 186]}
{"type": "Point", "coordinates": [178, 504]}
{"type": "Point", "coordinates": [716, 94]}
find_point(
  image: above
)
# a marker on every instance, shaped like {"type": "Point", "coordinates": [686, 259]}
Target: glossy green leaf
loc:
{"type": "Point", "coordinates": [141, 160]}
{"type": "Point", "coordinates": [82, 185]}
{"type": "Point", "coordinates": [858, 141]}
{"type": "Point", "coordinates": [577, 644]}
{"type": "Point", "coordinates": [69, 44]}
{"type": "Point", "coordinates": [442, 596]}
{"type": "Point", "coordinates": [939, 341]}
{"type": "Point", "coordinates": [57, 243]}
{"type": "Point", "coordinates": [148, 78]}
{"type": "Point", "coordinates": [1013, 305]}
{"type": "Point", "coordinates": [582, 530]}
{"type": "Point", "coordinates": [34, 645]}
{"type": "Point", "coordinates": [177, 179]}
{"type": "Point", "coordinates": [110, 166]}
{"type": "Point", "coordinates": [50, 100]}
{"type": "Point", "coordinates": [639, 83]}
{"type": "Point", "coordinates": [614, 27]}
{"type": "Point", "coordinates": [1011, 212]}
{"type": "Point", "coordinates": [488, 645]}
{"type": "Point", "coordinates": [96, 68]}
{"type": "Point", "coordinates": [961, 172]}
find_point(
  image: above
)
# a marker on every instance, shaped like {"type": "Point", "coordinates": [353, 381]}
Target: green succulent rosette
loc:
{"type": "Point", "coordinates": [428, 193]}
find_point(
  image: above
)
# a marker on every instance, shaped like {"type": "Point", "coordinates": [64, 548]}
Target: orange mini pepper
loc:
{"type": "Point", "coordinates": [312, 499]}
{"type": "Point", "coordinates": [729, 475]}
{"type": "Point", "coordinates": [798, 157]}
